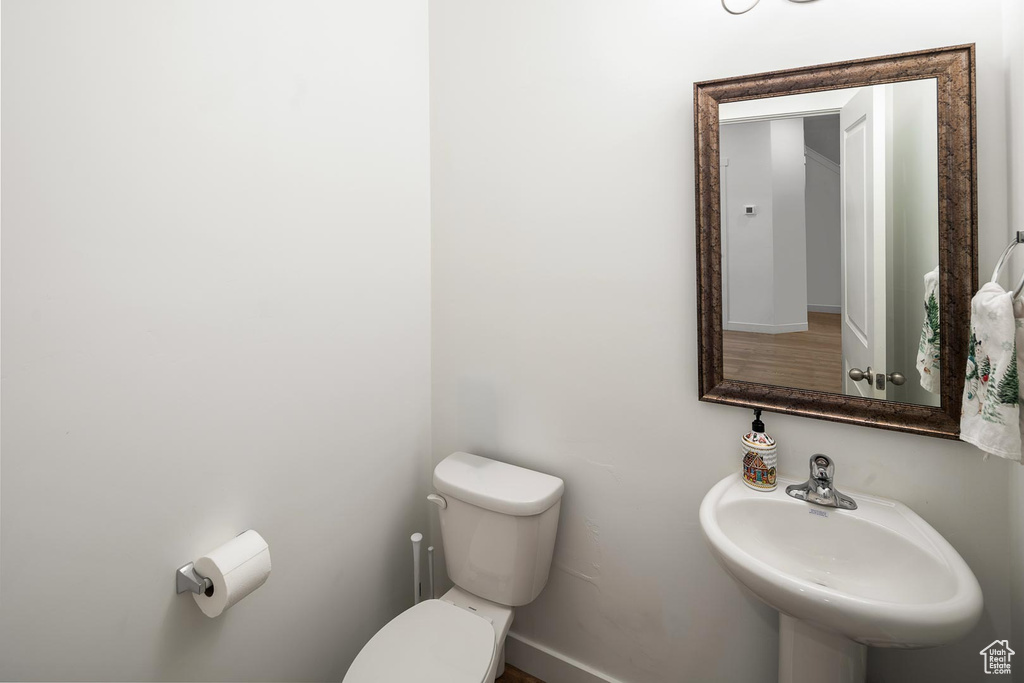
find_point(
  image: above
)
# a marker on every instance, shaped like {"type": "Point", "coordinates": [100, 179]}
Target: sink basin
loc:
{"type": "Point", "coordinates": [878, 575]}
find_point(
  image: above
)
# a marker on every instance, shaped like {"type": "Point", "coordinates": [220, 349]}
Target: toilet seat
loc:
{"type": "Point", "coordinates": [433, 642]}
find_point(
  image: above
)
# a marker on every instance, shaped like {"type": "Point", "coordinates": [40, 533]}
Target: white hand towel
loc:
{"type": "Point", "coordinates": [1018, 319]}
{"type": "Point", "coordinates": [928, 349]}
{"type": "Point", "coordinates": [990, 417]}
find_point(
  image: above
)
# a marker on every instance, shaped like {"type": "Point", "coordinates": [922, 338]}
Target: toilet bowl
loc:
{"type": "Point", "coordinates": [498, 525]}
{"type": "Point", "coordinates": [437, 641]}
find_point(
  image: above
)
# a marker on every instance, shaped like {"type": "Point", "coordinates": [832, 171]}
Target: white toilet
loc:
{"type": "Point", "coordinates": [498, 525]}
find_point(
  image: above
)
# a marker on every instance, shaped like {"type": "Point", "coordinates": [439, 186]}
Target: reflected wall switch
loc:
{"type": "Point", "coordinates": [750, 210]}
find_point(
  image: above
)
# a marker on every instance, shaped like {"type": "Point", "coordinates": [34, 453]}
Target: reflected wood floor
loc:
{"type": "Point", "coordinates": [514, 675]}
{"type": "Point", "coordinates": [803, 360]}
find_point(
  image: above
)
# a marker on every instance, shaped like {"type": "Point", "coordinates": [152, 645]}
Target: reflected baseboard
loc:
{"type": "Point", "coordinates": [762, 328]}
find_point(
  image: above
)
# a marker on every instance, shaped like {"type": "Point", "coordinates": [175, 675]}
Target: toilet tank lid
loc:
{"type": "Point", "coordinates": [497, 486]}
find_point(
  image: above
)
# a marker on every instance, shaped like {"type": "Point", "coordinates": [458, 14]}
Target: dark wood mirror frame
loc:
{"type": "Point", "coordinates": [953, 69]}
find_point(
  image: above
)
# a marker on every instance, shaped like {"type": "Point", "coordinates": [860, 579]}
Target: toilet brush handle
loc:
{"type": "Point", "coordinates": [430, 572]}
{"type": "Point", "coordinates": [416, 540]}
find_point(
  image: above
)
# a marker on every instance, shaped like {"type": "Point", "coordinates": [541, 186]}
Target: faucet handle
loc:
{"type": "Point", "coordinates": [822, 467]}
{"type": "Point", "coordinates": [819, 488]}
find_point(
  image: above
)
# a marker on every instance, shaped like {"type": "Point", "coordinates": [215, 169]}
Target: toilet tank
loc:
{"type": "Point", "coordinates": [498, 526]}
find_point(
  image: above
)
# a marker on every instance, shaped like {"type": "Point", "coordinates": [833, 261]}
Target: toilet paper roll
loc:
{"type": "Point", "coordinates": [236, 569]}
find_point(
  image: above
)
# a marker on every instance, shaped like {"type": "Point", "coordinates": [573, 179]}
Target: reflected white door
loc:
{"type": "Point", "coordinates": [862, 178]}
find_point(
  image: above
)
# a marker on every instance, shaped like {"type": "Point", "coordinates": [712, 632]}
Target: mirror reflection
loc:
{"type": "Point", "coordinates": [830, 241]}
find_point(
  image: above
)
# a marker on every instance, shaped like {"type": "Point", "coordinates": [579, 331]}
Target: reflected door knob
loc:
{"type": "Point", "coordinates": [856, 374]}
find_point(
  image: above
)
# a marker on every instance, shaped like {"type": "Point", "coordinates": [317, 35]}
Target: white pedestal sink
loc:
{"type": "Point", "coordinates": [841, 579]}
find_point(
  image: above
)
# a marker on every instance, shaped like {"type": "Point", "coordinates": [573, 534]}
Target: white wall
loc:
{"type": "Point", "coordinates": [565, 310]}
{"type": "Point", "coordinates": [913, 196]}
{"type": "Point", "coordinates": [824, 233]}
{"type": "Point", "coordinates": [797, 106]}
{"type": "Point", "coordinates": [789, 229]}
{"type": "Point", "coordinates": [821, 133]}
{"type": "Point", "coordinates": [215, 317]}
{"type": "Point", "coordinates": [764, 255]}
{"type": "Point", "coordinates": [748, 267]}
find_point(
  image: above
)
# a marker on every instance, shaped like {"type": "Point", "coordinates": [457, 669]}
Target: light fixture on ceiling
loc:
{"type": "Point", "coordinates": [752, 6]}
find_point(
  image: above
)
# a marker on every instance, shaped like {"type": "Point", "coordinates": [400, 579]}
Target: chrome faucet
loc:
{"type": "Point", "coordinates": [819, 489]}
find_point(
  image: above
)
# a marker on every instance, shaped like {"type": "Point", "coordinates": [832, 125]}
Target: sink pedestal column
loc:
{"type": "Point", "coordinates": [808, 654]}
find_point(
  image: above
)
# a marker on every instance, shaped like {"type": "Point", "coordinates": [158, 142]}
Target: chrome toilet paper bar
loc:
{"type": "Point", "coordinates": [187, 580]}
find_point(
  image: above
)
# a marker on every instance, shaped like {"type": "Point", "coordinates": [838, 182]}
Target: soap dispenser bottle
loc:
{"type": "Point", "coordinates": [759, 457]}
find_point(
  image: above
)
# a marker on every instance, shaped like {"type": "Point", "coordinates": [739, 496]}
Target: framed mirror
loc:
{"type": "Point", "coordinates": [836, 239]}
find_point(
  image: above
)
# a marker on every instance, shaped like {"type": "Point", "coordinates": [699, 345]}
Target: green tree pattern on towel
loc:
{"type": "Point", "coordinates": [985, 370]}
{"type": "Point", "coordinates": [971, 384]}
{"type": "Point", "coordinates": [989, 405]}
{"type": "Point", "coordinates": [931, 310]}
{"type": "Point", "coordinates": [984, 381]}
{"type": "Point", "coordinates": [1009, 386]}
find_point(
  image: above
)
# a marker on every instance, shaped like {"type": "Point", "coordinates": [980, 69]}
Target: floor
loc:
{"type": "Point", "coordinates": [802, 360]}
{"type": "Point", "coordinates": [514, 675]}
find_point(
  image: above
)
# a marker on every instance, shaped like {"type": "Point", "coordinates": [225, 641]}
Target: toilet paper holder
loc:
{"type": "Point", "coordinates": [187, 580]}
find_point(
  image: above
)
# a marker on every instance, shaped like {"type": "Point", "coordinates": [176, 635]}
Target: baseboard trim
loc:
{"type": "Point", "coordinates": [761, 328]}
{"type": "Point", "coordinates": [547, 664]}
{"type": "Point", "coordinates": [824, 308]}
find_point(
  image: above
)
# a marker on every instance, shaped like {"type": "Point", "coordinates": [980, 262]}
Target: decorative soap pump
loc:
{"type": "Point", "coordinates": [759, 457]}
